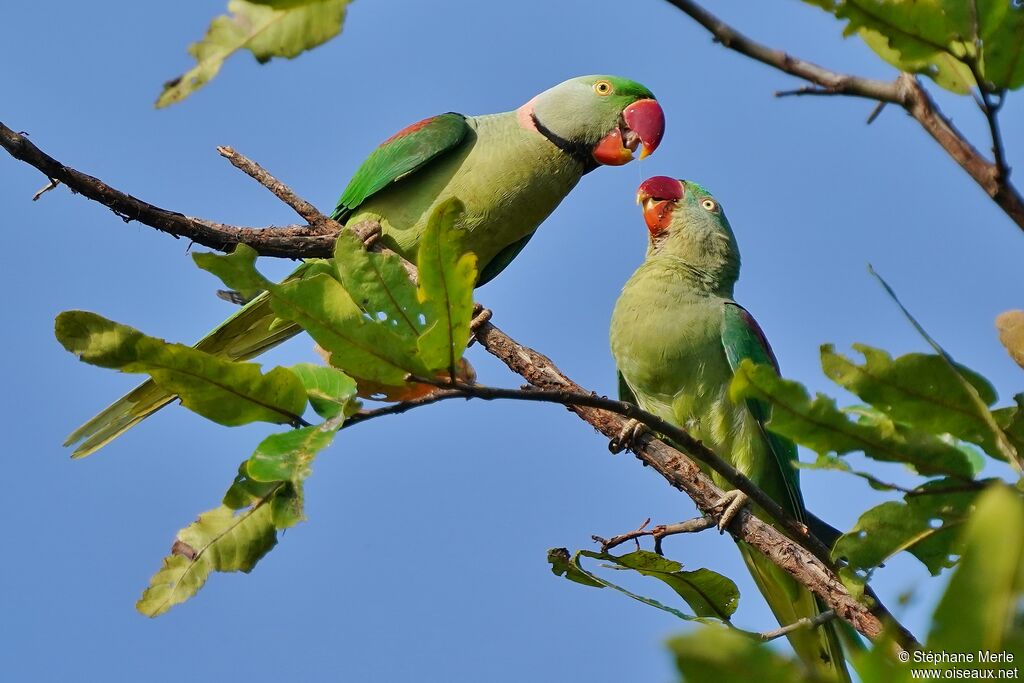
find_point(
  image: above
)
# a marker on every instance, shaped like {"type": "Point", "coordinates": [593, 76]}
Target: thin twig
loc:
{"type": "Point", "coordinates": [875, 112]}
{"type": "Point", "coordinates": [657, 532]}
{"type": "Point", "coordinates": [306, 211]}
{"type": "Point", "coordinates": [807, 622]}
{"type": "Point", "coordinates": [906, 91]}
{"type": "Point", "coordinates": [51, 183]}
{"type": "Point", "coordinates": [292, 241]}
{"type": "Point", "coordinates": [401, 407]}
{"type": "Point", "coordinates": [695, 448]}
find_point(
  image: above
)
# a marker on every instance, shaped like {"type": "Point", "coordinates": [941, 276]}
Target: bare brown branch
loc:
{"type": "Point", "coordinates": [683, 473]}
{"type": "Point", "coordinates": [657, 532]}
{"type": "Point", "coordinates": [306, 211]}
{"type": "Point", "coordinates": [906, 91]}
{"type": "Point", "coordinates": [293, 241]}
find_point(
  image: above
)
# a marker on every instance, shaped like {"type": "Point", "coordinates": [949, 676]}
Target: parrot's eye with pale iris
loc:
{"type": "Point", "coordinates": [710, 205]}
{"type": "Point", "coordinates": [603, 88]}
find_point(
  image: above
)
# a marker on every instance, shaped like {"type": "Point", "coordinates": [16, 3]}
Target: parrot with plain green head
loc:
{"type": "Point", "coordinates": [510, 170]}
{"type": "Point", "coordinates": [677, 337]}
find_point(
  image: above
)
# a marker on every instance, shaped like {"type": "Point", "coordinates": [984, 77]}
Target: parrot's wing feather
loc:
{"type": "Point", "coordinates": [742, 338]}
{"type": "Point", "coordinates": [789, 601]}
{"type": "Point", "coordinates": [403, 153]}
{"type": "Point", "coordinates": [820, 648]}
{"type": "Point", "coordinates": [252, 330]}
{"type": "Point", "coordinates": [625, 392]}
{"type": "Point", "coordinates": [501, 259]}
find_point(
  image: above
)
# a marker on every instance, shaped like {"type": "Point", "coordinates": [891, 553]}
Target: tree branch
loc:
{"type": "Point", "coordinates": [806, 622]}
{"type": "Point", "coordinates": [658, 532]}
{"type": "Point", "coordinates": [906, 91]}
{"type": "Point", "coordinates": [294, 241]}
{"type": "Point", "coordinates": [681, 437]}
{"type": "Point", "coordinates": [677, 467]}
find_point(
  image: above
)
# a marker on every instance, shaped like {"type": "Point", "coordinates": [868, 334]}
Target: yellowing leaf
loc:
{"type": "Point", "coordinates": [220, 540]}
{"type": "Point", "coordinates": [942, 39]}
{"type": "Point", "coordinates": [227, 392]}
{"type": "Point", "coordinates": [268, 28]}
{"type": "Point", "coordinates": [447, 276]}
{"type": "Point", "coordinates": [1011, 328]}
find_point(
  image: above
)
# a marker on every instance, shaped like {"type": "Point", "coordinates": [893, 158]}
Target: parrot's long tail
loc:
{"type": "Point", "coordinates": [820, 647]}
{"type": "Point", "coordinates": [248, 333]}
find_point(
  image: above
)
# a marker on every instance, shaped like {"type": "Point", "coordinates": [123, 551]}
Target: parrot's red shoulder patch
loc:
{"type": "Point", "coordinates": [409, 130]}
{"type": "Point", "coordinates": [752, 324]}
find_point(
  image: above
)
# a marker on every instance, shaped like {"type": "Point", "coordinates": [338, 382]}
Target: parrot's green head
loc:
{"type": "Point", "coordinates": [602, 119]}
{"type": "Point", "coordinates": [687, 223]}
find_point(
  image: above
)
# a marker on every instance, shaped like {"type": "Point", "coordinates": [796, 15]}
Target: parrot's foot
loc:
{"type": "Point", "coordinates": [481, 316]}
{"type": "Point", "coordinates": [371, 236]}
{"type": "Point", "coordinates": [627, 437]}
{"type": "Point", "coordinates": [732, 502]}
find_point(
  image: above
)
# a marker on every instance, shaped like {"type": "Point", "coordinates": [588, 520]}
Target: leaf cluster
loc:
{"type": "Point", "coordinates": [373, 324]}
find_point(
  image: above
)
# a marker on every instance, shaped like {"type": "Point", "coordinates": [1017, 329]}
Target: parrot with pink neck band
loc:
{"type": "Point", "coordinates": [510, 170]}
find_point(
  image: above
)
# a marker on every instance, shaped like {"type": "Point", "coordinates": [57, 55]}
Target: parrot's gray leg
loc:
{"type": "Point", "coordinates": [481, 316]}
{"type": "Point", "coordinates": [371, 236]}
{"type": "Point", "coordinates": [733, 501]}
{"type": "Point", "coordinates": [627, 436]}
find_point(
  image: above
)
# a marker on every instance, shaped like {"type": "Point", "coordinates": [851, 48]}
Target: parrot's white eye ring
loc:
{"type": "Point", "coordinates": [710, 204]}
{"type": "Point", "coordinates": [603, 88]}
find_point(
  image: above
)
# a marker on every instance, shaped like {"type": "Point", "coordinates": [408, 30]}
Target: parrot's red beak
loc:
{"type": "Point", "coordinates": [643, 124]}
{"type": "Point", "coordinates": [658, 197]}
{"type": "Point", "coordinates": [647, 120]}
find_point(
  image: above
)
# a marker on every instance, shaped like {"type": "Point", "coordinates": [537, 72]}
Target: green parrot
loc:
{"type": "Point", "coordinates": [510, 170]}
{"type": "Point", "coordinates": [677, 337]}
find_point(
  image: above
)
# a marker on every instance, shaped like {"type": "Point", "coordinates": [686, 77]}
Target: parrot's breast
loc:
{"type": "Point", "coordinates": [667, 343]}
{"type": "Point", "coordinates": [509, 179]}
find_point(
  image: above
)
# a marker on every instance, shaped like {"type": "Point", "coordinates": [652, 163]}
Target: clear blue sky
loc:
{"type": "Point", "coordinates": [424, 554]}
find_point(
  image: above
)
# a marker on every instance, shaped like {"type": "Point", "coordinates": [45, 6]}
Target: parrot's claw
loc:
{"type": "Point", "coordinates": [732, 502]}
{"type": "Point", "coordinates": [371, 236]}
{"type": "Point", "coordinates": [627, 437]}
{"type": "Point", "coordinates": [481, 316]}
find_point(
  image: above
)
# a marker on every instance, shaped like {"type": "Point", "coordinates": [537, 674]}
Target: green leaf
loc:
{"type": "Point", "coordinates": [237, 270]}
{"type": "Point", "coordinates": [1011, 421]}
{"type": "Point", "coordinates": [267, 28]}
{"type": "Point", "coordinates": [832, 462]}
{"type": "Point", "coordinates": [380, 285]}
{"type": "Point", "coordinates": [245, 491]}
{"type": "Point", "coordinates": [227, 392]}
{"type": "Point", "coordinates": [563, 565]}
{"type": "Point", "coordinates": [447, 276]}
{"type": "Point", "coordinates": [364, 347]}
{"type": "Point", "coordinates": [822, 427]}
{"type": "Point", "coordinates": [330, 391]}
{"type": "Point", "coordinates": [220, 540]}
{"type": "Point", "coordinates": [287, 456]}
{"type": "Point", "coordinates": [709, 594]}
{"type": "Point", "coordinates": [714, 653]}
{"type": "Point", "coordinates": [942, 39]}
{"type": "Point", "coordinates": [979, 610]}
{"type": "Point", "coordinates": [927, 523]}
{"type": "Point", "coordinates": [918, 389]}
